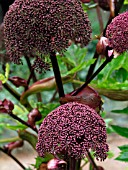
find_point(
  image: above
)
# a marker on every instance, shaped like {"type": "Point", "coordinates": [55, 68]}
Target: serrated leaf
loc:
{"type": "Point", "coordinates": [74, 55]}
{"type": "Point", "coordinates": [120, 130]}
{"type": "Point", "coordinates": [45, 109]}
{"type": "Point", "coordinates": [79, 67]}
{"type": "Point", "coordinates": [110, 154]}
{"type": "Point", "coordinates": [40, 160]}
{"type": "Point", "coordinates": [115, 64]}
{"type": "Point", "coordinates": [123, 148]}
{"type": "Point", "coordinates": [123, 111]}
{"type": "Point", "coordinates": [123, 157]}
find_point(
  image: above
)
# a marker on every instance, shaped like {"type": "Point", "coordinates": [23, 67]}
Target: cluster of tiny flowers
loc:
{"type": "Point", "coordinates": [104, 4]}
{"type": "Point", "coordinates": [40, 65]}
{"type": "Point", "coordinates": [72, 129]}
{"type": "Point", "coordinates": [44, 26]}
{"type": "Point", "coordinates": [3, 56]}
{"type": "Point", "coordinates": [117, 33]}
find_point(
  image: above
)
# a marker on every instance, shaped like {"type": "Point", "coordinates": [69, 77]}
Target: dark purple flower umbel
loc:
{"type": "Point", "coordinates": [117, 33]}
{"type": "Point", "coordinates": [43, 26]}
{"type": "Point", "coordinates": [72, 129]}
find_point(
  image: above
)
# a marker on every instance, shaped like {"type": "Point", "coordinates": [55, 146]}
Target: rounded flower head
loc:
{"type": "Point", "coordinates": [3, 56]}
{"type": "Point", "coordinates": [117, 33]}
{"type": "Point", "coordinates": [73, 129]}
{"type": "Point", "coordinates": [44, 26]}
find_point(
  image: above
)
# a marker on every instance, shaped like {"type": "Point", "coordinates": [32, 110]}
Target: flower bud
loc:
{"type": "Point", "coordinates": [86, 96]}
{"type": "Point", "coordinates": [101, 46]}
{"type": "Point", "coordinates": [9, 147]}
{"type": "Point", "coordinates": [17, 81]}
{"type": "Point", "coordinates": [53, 164]}
{"type": "Point", "coordinates": [34, 116]}
{"type": "Point", "coordinates": [56, 164]}
{"type": "Point", "coordinates": [6, 106]}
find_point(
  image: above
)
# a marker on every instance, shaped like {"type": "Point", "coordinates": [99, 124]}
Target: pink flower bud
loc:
{"type": "Point", "coordinates": [6, 106]}
{"type": "Point", "coordinates": [17, 81]}
{"type": "Point", "coordinates": [9, 147]}
{"type": "Point", "coordinates": [53, 164]}
{"type": "Point", "coordinates": [34, 116]}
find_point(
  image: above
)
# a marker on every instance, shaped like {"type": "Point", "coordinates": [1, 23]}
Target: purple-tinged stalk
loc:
{"type": "Point", "coordinates": [14, 158]}
{"type": "Point", "coordinates": [6, 106]}
{"type": "Point", "coordinates": [117, 7]}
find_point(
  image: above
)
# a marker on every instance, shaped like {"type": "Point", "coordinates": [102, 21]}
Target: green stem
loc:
{"type": "Point", "coordinates": [7, 140]}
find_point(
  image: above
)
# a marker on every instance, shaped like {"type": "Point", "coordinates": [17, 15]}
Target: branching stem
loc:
{"type": "Point", "coordinates": [23, 122]}
{"type": "Point", "coordinates": [14, 158]}
{"type": "Point", "coordinates": [93, 76]}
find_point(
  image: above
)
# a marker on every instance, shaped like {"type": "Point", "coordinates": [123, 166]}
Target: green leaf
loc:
{"type": "Point", "coordinates": [74, 55]}
{"type": "Point", "coordinates": [125, 2]}
{"type": "Point", "coordinates": [120, 130]}
{"type": "Point", "coordinates": [123, 111]}
{"type": "Point", "coordinates": [79, 67]}
{"type": "Point", "coordinates": [12, 127]}
{"type": "Point", "coordinates": [123, 157]}
{"type": "Point", "coordinates": [123, 148]}
{"type": "Point", "coordinates": [40, 160]}
{"type": "Point", "coordinates": [123, 154]}
{"type": "Point", "coordinates": [45, 109]}
{"type": "Point", "coordinates": [110, 154]}
{"type": "Point", "coordinates": [4, 78]}
{"type": "Point", "coordinates": [7, 69]}
{"type": "Point", "coordinates": [115, 75]}
{"type": "Point", "coordinates": [15, 127]}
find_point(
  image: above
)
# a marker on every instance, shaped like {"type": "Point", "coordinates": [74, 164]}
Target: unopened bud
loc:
{"type": "Point", "coordinates": [17, 81]}
{"type": "Point", "coordinates": [6, 106]}
{"type": "Point", "coordinates": [9, 147]}
{"type": "Point", "coordinates": [56, 164]}
{"type": "Point", "coordinates": [102, 45]}
{"type": "Point", "coordinates": [34, 116]}
{"type": "Point", "coordinates": [53, 164]}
